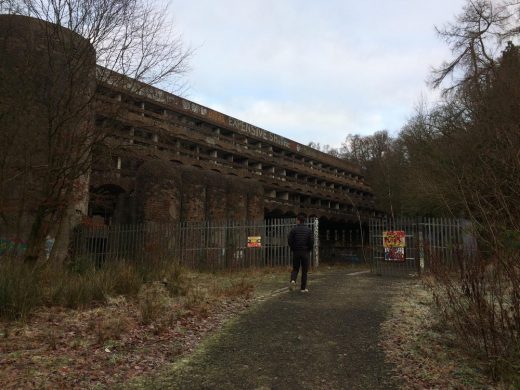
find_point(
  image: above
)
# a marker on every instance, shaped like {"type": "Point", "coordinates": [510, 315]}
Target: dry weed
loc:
{"type": "Point", "coordinates": [108, 325]}
{"type": "Point", "coordinates": [424, 351]}
{"type": "Point", "coordinates": [154, 302]}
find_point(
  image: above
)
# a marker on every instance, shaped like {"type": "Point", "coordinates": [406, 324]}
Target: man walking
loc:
{"type": "Point", "coordinates": [301, 242]}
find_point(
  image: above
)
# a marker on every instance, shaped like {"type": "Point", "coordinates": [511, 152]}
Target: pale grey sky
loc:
{"type": "Point", "coordinates": [313, 70]}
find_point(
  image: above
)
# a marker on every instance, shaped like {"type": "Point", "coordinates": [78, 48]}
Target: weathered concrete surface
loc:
{"type": "Point", "coordinates": [326, 339]}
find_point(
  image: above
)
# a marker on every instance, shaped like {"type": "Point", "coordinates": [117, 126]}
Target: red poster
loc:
{"type": "Point", "coordinates": [394, 239]}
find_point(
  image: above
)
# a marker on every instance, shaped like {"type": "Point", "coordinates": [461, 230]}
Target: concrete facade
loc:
{"type": "Point", "coordinates": [167, 159]}
{"type": "Point", "coordinates": [41, 115]}
{"type": "Point", "coordinates": [220, 160]}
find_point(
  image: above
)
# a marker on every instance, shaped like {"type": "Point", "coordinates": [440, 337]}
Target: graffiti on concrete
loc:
{"type": "Point", "coordinates": [12, 246]}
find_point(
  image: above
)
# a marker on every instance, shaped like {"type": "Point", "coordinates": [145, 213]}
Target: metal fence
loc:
{"type": "Point", "coordinates": [200, 245]}
{"type": "Point", "coordinates": [427, 240]}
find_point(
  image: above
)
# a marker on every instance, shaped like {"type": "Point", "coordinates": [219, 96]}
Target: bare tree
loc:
{"type": "Point", "coordinates": [471, 155]}
{"type": "Point", "coordinates": [476, 39]}
{"type": "Point", "coordinates": [131, 37]}
{"type": "Point", "coordinates": [47, 110]}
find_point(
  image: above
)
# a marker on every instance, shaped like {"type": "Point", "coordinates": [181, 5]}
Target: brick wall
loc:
{"type": "Point", "coordinates": [172, 193]}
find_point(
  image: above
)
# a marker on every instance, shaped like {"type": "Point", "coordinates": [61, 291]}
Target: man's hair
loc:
{"type": "Point", "coordinates": [301, 218]}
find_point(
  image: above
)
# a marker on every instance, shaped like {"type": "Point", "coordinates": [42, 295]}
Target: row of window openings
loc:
{"type": "Point", "coordinates": [143, 134]}
{"type": "Point", "coordinates": [284, 195]}
{"type": "Point", "coordinates": [307, 200]}
{"type": "Point", "coordinates": [217, 132]}
{"type": "Point", "coordinates": [268, 170]}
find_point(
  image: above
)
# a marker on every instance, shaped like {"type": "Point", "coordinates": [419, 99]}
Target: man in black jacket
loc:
{"type": "Point", "coordinates": [301, 242]}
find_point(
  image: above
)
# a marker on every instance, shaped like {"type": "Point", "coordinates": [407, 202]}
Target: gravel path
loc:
{"type": "Point", "coordinates": [326, 339]}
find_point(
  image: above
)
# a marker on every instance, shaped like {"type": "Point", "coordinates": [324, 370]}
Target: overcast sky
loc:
{"type": "Point", "coordinates": [313, 70]}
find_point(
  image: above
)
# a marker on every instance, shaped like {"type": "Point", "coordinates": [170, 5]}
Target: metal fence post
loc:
{"type": "Point", "coordinates": [316, 242]}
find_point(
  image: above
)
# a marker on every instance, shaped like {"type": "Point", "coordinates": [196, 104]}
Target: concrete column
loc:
{"type": "Point", "coordinates": [118, 167]}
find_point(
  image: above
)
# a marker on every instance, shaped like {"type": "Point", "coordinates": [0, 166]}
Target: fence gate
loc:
{"type": "Point", "coordinates": [201, 245]}
{"type": "Point", "coordinates": [425, 240]}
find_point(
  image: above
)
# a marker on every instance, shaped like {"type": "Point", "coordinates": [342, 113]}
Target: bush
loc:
{"type": "Point", "coordinates": [240, 288]}
{"type": "Point", "coordinates": [154, 302]}
{"type": "Point", "coordinates": [481, 302]}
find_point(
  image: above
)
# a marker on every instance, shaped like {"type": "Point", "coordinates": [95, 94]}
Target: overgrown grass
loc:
{"type": "Point", "coordinates": [425, 352]}
{"type": "Point", "coordinates": [24, 287]}
{"type": "Point", "coordinates": [79, 284]}
{"type": "Point", "coordinates": [20, 289]}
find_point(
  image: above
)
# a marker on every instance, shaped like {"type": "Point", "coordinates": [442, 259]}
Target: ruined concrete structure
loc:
{"type": "Point", "coordinates": [45, 107]}
{"type": "Point", "coordinates": [212, 166]}
{"type": "Point", "coordinates": [167, 159]}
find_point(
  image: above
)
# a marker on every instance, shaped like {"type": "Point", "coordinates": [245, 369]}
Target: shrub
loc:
{"type": "Point", "coordinates": [154, 302]}
{"type": "Point", "coordinates": [197, 299]}
{"type": "Point", "coordinates": [481, 302]}
{"type": "Point", "coordinates": [238, 288]}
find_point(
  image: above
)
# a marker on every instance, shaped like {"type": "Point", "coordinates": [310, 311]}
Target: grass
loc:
{"type": "Point", "coordinates": [80, 284]}
{"type": "Point", "coordinates": [144, 318]}
{"type": "Point", "coordinates": [426, 353]}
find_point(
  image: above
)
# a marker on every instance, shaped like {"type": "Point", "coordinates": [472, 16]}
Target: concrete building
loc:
{"type": "Point", "coordinates": [161, 158]}
{"type": "Point", "coordinates": [280, 177]}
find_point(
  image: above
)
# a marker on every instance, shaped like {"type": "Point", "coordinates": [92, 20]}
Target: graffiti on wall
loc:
{"type": "Point", "coordinates": [12, 246]}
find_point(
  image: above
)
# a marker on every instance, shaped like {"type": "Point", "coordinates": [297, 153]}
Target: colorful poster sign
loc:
{"type": "Point", "coordinates": [394, 239]}
{"type": "Point", "coordinates": [394, 254]}
{"type": "Point", "coordinates": [254, 242]}
{"type": "Point", "coordinates": [394, 243]}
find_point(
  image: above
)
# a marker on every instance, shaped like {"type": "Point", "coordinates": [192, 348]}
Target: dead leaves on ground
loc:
{"type": "Point", "coordinates": [61, 348]}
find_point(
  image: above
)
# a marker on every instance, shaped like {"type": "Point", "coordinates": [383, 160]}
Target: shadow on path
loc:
{"type": "Point", "coordinates": [326, 339]}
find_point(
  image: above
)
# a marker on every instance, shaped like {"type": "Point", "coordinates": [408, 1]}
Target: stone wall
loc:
{"type": "Point", "coordinates": [158, 192]}
{"type": "Point", "coordinates": [168, 193]}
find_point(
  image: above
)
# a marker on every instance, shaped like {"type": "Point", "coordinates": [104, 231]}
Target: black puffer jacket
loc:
{"type": "Point", "coordinates": [301, 239]}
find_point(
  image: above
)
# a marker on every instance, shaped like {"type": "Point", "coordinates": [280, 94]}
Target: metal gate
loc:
{"type": "Point", "coordinates": [426, 240]}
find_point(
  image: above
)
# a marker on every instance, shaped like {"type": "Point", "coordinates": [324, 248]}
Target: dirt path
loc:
{"type": "Point", "coordinates": [326, 339]}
